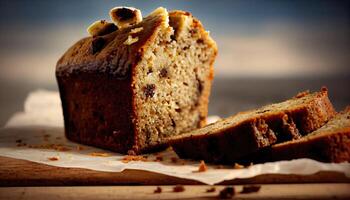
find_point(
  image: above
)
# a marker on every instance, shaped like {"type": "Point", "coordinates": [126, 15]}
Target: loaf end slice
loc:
{"type": "Point", "coordinates": [233, 138]}
{"type": "Point", "coordinates": [330, 143]}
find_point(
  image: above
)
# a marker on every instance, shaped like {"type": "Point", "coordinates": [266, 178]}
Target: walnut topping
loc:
{"type": "Point", "coordinates": [125, 16]}
{"type": "Point", "coordinates": [136, 30]}
{"type": "Point", "coordinates": [101, 27]}
{"type": "Point", "coordinates": [130, 40]}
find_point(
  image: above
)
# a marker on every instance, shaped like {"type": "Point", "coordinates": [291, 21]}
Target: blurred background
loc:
{"type": "Point", "coordinates": [268, 50]}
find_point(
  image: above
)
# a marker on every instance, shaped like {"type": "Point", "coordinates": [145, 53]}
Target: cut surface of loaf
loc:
{"type": "Point", "coordinates": [235, 137]}
{"type": "Point", "coordinates": [330, 143]}
{"type": "Point", "coordinates": [129, 90]}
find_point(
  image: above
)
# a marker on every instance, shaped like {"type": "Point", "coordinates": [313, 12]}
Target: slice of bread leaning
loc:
{"type": "Point", "coordinates": [235, 137]}
{"type": "Point", "coordinates": [330, 143]}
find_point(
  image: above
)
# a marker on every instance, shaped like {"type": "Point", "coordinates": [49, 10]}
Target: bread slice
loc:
{"type": "Point", "coordinates": [233, 138]}
{"type": "Point", "coordinates": [330, 143]}
{"type": "Point", "coordinates": [129, 90]}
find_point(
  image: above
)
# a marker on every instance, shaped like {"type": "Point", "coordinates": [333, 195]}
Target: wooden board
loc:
{"type": "Point", "coordinates": [290, 191]}
{"type": "Point", "coordinates": [14, 172]}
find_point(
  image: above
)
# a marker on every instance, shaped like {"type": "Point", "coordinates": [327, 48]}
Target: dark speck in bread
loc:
{"type": "Point", "coordinates": [148, 90]}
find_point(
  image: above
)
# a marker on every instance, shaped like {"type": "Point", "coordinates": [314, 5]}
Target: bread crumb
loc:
{"type": "Point", "coordinates": [62, 148]}
{"type": "Point", "coordinates": [57, 147]}
{"type": "Point", "coordinates": [100, 154]}
{"type": "Point", "coordinates": [238, 166]}
{"type": "Point", "coordinates": [21, 144]}
{"type": "Point", "coordinates": [202, 166]}
{"type": "Point", "coordinates": [178, 188]}
{"type": "Point", "coordinates": [212, 189]}
{"type": "Point", "coordinates": [129, 158]}
{"type": "Point", "coordinates": [227, 193]}
{"type": "Point", "coordinates": [79, 148]}
{"type": "Point", "coordinates": [158, 190]}
{"type": "Point", "coordinates": [250, 189]}
{"type": "Point", "coordinates": [174, 159]}
{"type": "Point", "coordinates": [54, 158]}
{"type": "Point", "coordinates": [136, 30]}
{"type": "Point", "coordinates": [131, 40]}
{"type": "Point", "coordinates": [158, 158]}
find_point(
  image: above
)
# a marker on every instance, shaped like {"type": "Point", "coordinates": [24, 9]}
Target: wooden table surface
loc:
{"type": "Point", "coordinates": [279, 191]}
{"type": "Point", "coordinates": [22, 179]}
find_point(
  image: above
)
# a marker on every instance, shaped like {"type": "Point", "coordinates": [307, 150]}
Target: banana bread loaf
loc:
{"type": "Point", "coordinates": [330, 143]}
{"type": "Point", "coordinates": [230, 139]}
{"type": "Point", "coordinates": [130, 89]}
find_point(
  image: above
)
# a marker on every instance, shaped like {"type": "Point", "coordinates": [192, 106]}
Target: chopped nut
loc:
{"type": "Point", "coordinates": [227, 193]}
{"type": "Point", "coordinates": [101, 27]}
{"type": "Point", "coordinates": [136, 30]}
{"type": "Point", "coordinates": [212, 189]}
{"type": "Point", "coordinates": [238, 166]}
{"type": "Point", "coordinates": [202, 167]}
{"type": "Point", "coordinates": [178, 188]}
{"type": "Point", "coordinates": [129, 158]}
{"type": "Point", "coordinates": [125, 16]}
{"type": "Point", "coordinates": [100, 154]}
{"type": "Point", "coordinates": [55, 158]}
{"type": "Point", "coordinates": [250, 189]}
{"type": "Point", "coordinates": [131, 40]}
{"type": "Point", "coordinates": [158, 190]}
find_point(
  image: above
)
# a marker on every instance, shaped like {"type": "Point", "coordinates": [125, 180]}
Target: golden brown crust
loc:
{"type": "Point", "coordinates": [229, 144]}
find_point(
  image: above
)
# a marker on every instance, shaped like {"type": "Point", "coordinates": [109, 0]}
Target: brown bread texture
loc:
{"type": "Point", "coordinates": [330, 143]}
{"type": "Point", "coordinates": [131, 89]}
{"type": "Point", "coordinates": [231, 139]}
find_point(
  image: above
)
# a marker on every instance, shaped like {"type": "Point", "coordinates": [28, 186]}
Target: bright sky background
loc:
{"type": "Point", "coordinates": [255, 38]}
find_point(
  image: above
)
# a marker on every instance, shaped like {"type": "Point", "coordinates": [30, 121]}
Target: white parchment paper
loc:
{"type": "Point", "coordinates": [30, 135]}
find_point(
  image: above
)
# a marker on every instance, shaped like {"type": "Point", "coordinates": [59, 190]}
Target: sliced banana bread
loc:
{"type": "Point", "coordinates": [330, 143]}
{"type": "Point", "coordinates": [233, 138]}
{"type": "Point", "coordinates": [130, 87]}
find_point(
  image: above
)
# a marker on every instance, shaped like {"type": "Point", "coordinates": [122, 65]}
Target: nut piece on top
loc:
{"type": "Point", "coordinates": [125, 16]}
{"type": "Point", "coordinates": [101, 27]}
